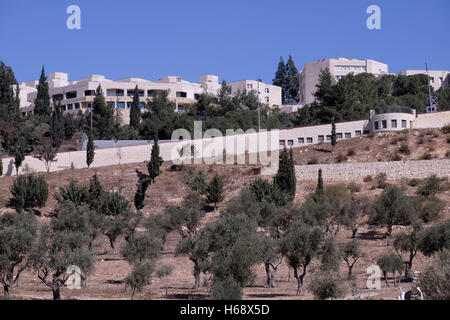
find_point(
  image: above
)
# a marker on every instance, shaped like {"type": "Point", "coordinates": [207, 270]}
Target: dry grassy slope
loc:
{"type": "Point", "coordinates": [380, 147]}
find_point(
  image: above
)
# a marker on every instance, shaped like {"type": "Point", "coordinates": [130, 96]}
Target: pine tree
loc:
{"type": "Point", "coordinates": [215, 190]}
{"type": "Point", "coordinates": [325, 89]}
{"type": "Point", "coordinates": [285, 177]}
{"type": "Point", "coordinates": [293, 82]}
{"type": "Point", "coordinates": [90, 152]}
{"type": "Point", "coordinates": [281, 79]}
{"type": "Point", "coordinates": [318, 195]}
{"type": "Point", "coordinates": [154, 166]}
{"type": "Point", "coordinates": [102, 117]}
{"type": "Point", "coordinates": [135, 111]}
{"type": "Point", "coordinates": [333, 134]}
{"type": "Point", "coordinates": [42, 102]}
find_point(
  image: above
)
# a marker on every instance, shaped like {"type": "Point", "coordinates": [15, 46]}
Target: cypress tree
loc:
{"type": "Point", "coordinates": [1, 166]}
{"type": "Point", "coordinates": [333, 134]}
{"type": "Point", "coordinates": [285, 177]}
{"type": "Point", "coordinates": [139, 196]}
{"type": "Point", "coordinates": [215, 190]}
{"type": "Point", "coordinates": [292, 82]}
{"type": "Point", "coordinates": [135, 111]}
{"type": "Point", "coordinates": [19, 156]}
{"type": "Point", "coordinates": [90, 152]}
{"type": "Point", "coordinates": [102, 116]}
{"type": "Point", "coordinates": [42, 102]}
{"type": "Point", "coordinates": [57, 129]}
{"type": "Point", "coordinates": [318, 195]}
{"type": "Point", "coordinates": [281, 79]}
{"type": "Point", "coordinates": [155, 162]}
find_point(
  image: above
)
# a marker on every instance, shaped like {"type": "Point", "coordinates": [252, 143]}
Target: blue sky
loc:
{"type": "Point", "coordinates": [233, 39]}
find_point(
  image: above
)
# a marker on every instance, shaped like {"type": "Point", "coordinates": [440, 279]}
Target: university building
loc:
{"type": "Point", "coordinates": [77, 96]}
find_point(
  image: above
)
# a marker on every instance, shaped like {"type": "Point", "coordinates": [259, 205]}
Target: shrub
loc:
{"type": "Point", "coordinates": [313, 160]}
{"type": "Point", "coordinates": [351, 152]}
{"type": "Point", "coordinates": [367, 148]}
{"type": "Point", "coordinates": [396, 157]}
{"type": "Point", "coordinates": [430, 209]}
{"type": "Point", "coordinates": [431, 186]}
{"type": "Point", "coordinates": [354, 187]}
{"type": "Point", "coordinates": [368, 178]}
{"type": "Point", "coordinates": [341, 158]}
{"type": "Point", "coordinates": [447, 154]}
{"type": "Point", "coordinates": [414, 182]}
{"type": "Point", "coordinates": [327, 286]}
{"type": "Point", "coordinates": [426, 156]}
{"type": "Point", "coordinates": [390, 263]}
{"type": "Point", "coordinates": [446, 129]}
{"type": "Point", "coordinates": [435, 238]}
{"type": "Point", "coordinates": [404, 148]}
{"type": "Point", "coordinates": [29, 192]}
{"type": "Point", "coordinates": [448, 139]}
{"type": "Point", "coordinates": [433, 280]}
{"type": "Point", "coordinates": [420, 140]}
{"type": "Point", "coordinates": [381, 180]}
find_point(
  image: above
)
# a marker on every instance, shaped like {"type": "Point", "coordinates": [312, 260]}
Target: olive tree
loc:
{"type": "Point", "coordinates": [390, 262]}
{"type": "Point", "coordinates": [17, 236]}
{"type": "Point", "coordinates": [408, 243]}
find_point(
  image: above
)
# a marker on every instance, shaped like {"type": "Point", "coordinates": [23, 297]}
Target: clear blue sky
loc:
{"type": "Point", "coordinates": [233, 39]}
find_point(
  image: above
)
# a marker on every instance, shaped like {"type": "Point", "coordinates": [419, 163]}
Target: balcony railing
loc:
{"type": "Point", "coordinates": [394, 109]}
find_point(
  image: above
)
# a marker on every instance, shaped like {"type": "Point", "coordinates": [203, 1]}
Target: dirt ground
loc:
{"type": "Point", "coordinates": [107, 280]}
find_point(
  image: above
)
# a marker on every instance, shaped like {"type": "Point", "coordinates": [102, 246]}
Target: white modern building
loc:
{"type": "Point", "coordinates": [438, 78]}
{"type": "Point", "coordinates": [77, 96]}
{"type": "Point", "coordinates": [339, 67]}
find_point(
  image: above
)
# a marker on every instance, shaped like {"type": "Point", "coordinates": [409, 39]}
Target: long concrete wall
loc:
{"type": "Point", "coordinates": [356, 171]}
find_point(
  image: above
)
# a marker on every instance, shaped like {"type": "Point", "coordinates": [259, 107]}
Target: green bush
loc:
{"type": "Point", "coordinates": [420, 140]}
{"type": "Point", "coordinates": [341, 158]}
{"type": "Point", "coordinates": [29, 192]}
{"type": "Point", "coordinates": [381, 180]}
{"type": "Point", "coordinates": [414, 182]}
{"type": "Point", "coordinates": [368, 178]}
{"type": "Point", "coordinates": [313, 160]}
{"type": "Point", "coordinates": [431, 186]}
{"type": "Point", "coordinates": [433, 280]}
{"type": "Point", "coordinates": [446, 129]}
{"type": "Point", "coordinates": [448, 139]}
{"type": "Point", "coordinates": [354, 187]}
{"type": "Point", "coordinates": [431, 209]}
{"type": "Point", "coordinates": [351, 152]}
{"type": "Point", "coordinates": [426, 156]}
{"type": "Point", "coordinates": [404, 148]}
{"type": "Point", "coordinates": [327, 286]}
{"type": "Point", "coordinates": [396, 157]}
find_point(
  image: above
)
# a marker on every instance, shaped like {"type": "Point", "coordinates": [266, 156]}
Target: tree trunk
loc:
{"type": "Point", "coordinates": [112, 242]}
{"type": "Point", "coordinates": [389, 231]}
{"type": "Point", "coordinates": [197, 283]}
{"type": "Point", "coordinates": [354, 233]}
{"type": "Point", "coordinates": [6, 290]}
{"type": "Point", "coordinates": [385, 278]}
{"type": "Point", "coordinates": [270, 274]}
{"type": "Point", "coordinates": [350, 272]}
{"type": "Point", "coordinates": [299, 282]}
{"type": "Point", "coordinates": [56, 293]}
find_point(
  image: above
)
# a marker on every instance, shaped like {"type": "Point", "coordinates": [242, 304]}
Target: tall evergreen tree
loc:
{"type": "Point", "coordinates": [325, 94]}
{"type": "Point", "coordinates": [281, 79]}
{"type": "Point", "coordinates": [135, 111]}
{"type": "Point", "coordinates": [42, 101]}
{"type": "Point", "coordinates": [102, 117]}
{"type": "Point", "coordinates": [318, 195]}
{"type": "Point", "coordinates": [293, 82]}
{"type": "Point", "coordinates": [215, 190]}
{"type": "Point", "coordinates": [19, 156]}
{"type": "Point", "coordinates": [57, 128]}
{"type": "Point", "coordinates": [333, 134]}
{"type": "Point", "coordinates": [90, 151]}
{"type": "Point", "coordinates": [154, 166]}
{"type": "Point", "coordinates": [285, 178]}
{"type": "Point", "coordinates": [139, 196]}
{"type": "Point", "coordinates": [9, 105]}
{"type": "Point", "coordinates": [1, 166]}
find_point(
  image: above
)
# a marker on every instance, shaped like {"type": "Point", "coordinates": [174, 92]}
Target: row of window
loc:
{"type": "Point", "coordinates": [350, 68]}
{"type": "Point", "coordinates": [250, 86]}
{"type": "Point", "coordinates": [321, 138]}
{"type": "Point", "coordinates": [383, 124]}
{"type": "Point", "coordinates": [116, 93]}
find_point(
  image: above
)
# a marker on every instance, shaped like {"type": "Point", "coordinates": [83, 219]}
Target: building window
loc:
{"type": "Point", "coordinates": [129, 104]}
{"type": "Point", "coordinates": [384, 123]}
{"type": "Point", "coordinates": [309, 140]}
{"type": "Point", "coordinates": [403, 123]}
{"type": "Point", "coordinates": [64, 107]}
{"type": "Point", "coordinates": [181, 94]}
{"type": "Point", "coordinates": [267, 99]}
{"type": "Point", "coordinates": [348, 135]}
{"type": "Point", "coordinates": [249, 86]}
{"type": "Point", "coordinates": [282, 143]}
{"type": "Point", "coordinates": [77, 106]}
{"type": "Point", "coordinates": [267, 90]}
{"type": "Point", "coordinates": [88, 93]}
{"type": "Point", "coordinates": [358, 133]}
{"type": "Point", "coordinates": [394, 123]}
{"type": "Point", "coordinates": [196, 96]}
{"type": "Point", "coordinates": [338, 135]}
{"type": "Point", "coordinates": [142, 105]}
{"type": "Point", "coordinates": [121, 105]}
{"type": "Point", "coordinates": [366, 132]}
{"type": "Point", "coordinates": [111, 104]}
{"type": "Point", "coordinates": [301, 140]}
{"type": "Point", "coordinates": [290, 142]}
{"type": "Point", "coordinates": [328, 137]}
{"type": "Point", "coordinates": [377, 126]}
{"type": "Point", "coordinates": [115, 93]}
{"type": "Point", "coordinates": [321, 138]}
{"type": "Point", "coordinates": [180, 108]}
{"type": "Point", "coordinates": [71, 95]}
{"type": "Point", "coordinates": [130, 93]}
{"type": "Point", "coordinates": [57, 97]}
{"type": "Point", "coordinates": [70, 107]}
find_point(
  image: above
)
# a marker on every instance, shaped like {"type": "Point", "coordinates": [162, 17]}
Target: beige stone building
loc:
{"type": "Point", "coordinates": [77, 96]}
{"type": "Point", "coordinates": [339, 67]}
{"type": "Point", "coordinates": [438, 78]}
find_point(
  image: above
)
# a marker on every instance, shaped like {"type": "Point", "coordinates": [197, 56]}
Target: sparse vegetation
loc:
{"type": "Point", "coordinates": [381, 180]}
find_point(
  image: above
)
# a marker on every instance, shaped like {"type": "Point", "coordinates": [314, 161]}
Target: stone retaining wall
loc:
{"type": "Point", "coordinates": [356, 171]}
